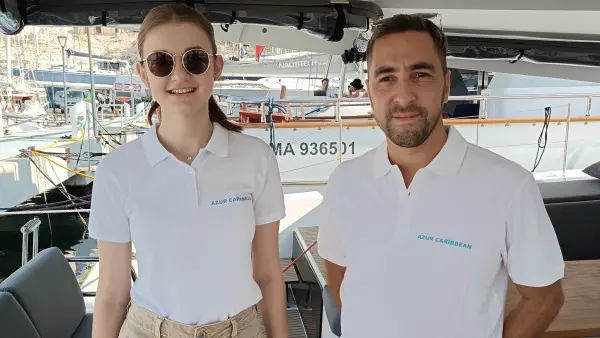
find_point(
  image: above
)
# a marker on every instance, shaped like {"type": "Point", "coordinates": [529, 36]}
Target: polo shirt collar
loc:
{"type": "Point", "coordinates": [156, 152]}
{"type": "Point", "coordinates": [447, 162]}
{"type": "Point", "coordinates": [219, 141]}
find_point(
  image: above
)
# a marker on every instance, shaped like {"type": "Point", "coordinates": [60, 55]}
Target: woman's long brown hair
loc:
{"type": "Point", "coordinates": [180, 13]}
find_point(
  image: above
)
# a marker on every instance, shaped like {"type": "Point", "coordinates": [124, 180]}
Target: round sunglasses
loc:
{"type": "Point", "coordinates": [161, 64]}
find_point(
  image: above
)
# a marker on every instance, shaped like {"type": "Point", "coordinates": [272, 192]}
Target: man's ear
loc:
{"type": "Point", "coordinates": [447, 87]}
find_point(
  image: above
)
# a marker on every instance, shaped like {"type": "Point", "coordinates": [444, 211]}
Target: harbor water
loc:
{"type": "Point", "coordinates": [65, 231]}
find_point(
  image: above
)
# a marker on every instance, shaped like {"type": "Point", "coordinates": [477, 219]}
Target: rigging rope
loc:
{"type": "Point", "coordinates": [271, 125]}
{"type": "Point", "coordinates": [543, 135]}
{"type": "Point", "coordinates": [298, 258]}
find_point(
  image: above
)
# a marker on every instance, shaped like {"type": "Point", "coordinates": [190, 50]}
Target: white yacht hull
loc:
{"type": "Point", "coordinates": [310, 154]}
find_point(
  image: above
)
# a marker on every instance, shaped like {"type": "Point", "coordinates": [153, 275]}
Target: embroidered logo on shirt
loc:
{"type": "Point", "coordinates": [230, 200]}
{"type": "Point", "coordinates": [445, 241]}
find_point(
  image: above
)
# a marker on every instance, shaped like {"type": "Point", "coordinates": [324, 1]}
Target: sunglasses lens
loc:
{"type": "Point", "coordinates": [160, 63]}
{"type": "Point", "coordinates": [196, 61]}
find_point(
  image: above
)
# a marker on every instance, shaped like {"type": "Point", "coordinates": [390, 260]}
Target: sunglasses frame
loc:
{"type": "Point", "coordinates": [174, 56]}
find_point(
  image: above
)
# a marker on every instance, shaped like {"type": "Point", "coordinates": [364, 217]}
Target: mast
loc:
{"type": "Point", "coordinates": [94, 110]}
{"type": "Point", "coordinates": [37, 47]}
{"type": "Point", "coordinates": [8, 61]}
{"type": "Point", "coordinates": [8, 80]}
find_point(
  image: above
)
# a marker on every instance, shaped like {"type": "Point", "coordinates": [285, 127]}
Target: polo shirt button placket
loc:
{"type": "Point", "coordinates": [407, 206]}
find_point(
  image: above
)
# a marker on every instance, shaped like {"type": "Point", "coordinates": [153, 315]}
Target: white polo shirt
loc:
{"type": "Point", "coordinates": [433, 260]}
{"type": "Point", "coordinates": [192, 225]}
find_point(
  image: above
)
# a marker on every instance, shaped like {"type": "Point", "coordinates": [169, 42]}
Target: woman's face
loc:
{"type": "Point", "coordinates": [180, 92]}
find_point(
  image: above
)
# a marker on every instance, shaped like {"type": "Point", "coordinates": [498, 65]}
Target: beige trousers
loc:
{"type": "Point", "coordinates": [141, 323]}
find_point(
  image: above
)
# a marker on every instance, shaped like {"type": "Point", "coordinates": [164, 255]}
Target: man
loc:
{"type": "Point", "coordinates": [329, 91]}
{"type": "Point", "coordinates": [425, 230]}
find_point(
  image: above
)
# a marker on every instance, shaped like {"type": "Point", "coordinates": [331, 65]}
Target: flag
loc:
{"type": "Point", "coordinates": [259, 50]}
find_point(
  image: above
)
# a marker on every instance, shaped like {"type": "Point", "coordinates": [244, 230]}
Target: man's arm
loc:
{"type": "Point", "coordinates": [534, 263]}
{"type": "Point", "coordinates": [335, 275]}
{"type": "Point", "coordinates": [534, 313]}
{"type": "Point", "coordinates": [330, 243]}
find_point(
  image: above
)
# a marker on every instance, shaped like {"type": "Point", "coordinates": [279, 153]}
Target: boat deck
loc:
{"type": "Point", "coordinates": [11, 144]}
{"type": "Point", "coordinates": [295, 327]}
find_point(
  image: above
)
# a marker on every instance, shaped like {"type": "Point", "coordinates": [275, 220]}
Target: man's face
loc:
{"type": "Point", "coordinates": [407, 87]}
{"type": "Point", "coordinates": [325, 84]}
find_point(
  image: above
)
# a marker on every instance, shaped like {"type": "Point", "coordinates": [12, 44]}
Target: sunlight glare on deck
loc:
{"type": "Point", "coordinates": [297, 205]}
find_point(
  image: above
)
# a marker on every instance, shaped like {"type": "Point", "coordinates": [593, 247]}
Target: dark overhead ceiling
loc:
{"type": "Point", "coordinates": [324, 18]}
{"type": "Point", "coordinates": [585, 53]}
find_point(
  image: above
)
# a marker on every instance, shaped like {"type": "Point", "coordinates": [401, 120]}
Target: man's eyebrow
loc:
{"type": "Point", "coordinates": [384, 70]}
{"type": "Point", "coordinates": [416, 66]}
{"type": "Point", "coordinates": [422, 65]}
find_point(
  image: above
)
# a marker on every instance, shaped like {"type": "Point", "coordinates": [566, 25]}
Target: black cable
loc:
{"type": "Point", "coordinates": [45, 205]}
{"type": "Point", "coordinates": [106, 141]}
{"type": "Point", "coordinates": [72, 156]}
{"type": "Point", "coordinates": [544, 135]}
{"type": "Point", "coordinates": [80, 149]}
{"type": "Point", "coordinates": [69, 206]}
{"type": "Point", "coordinates": [56, 207]}
{"type": "Point", "coordinates": [60, 189]}
{"type": "Point", "coordinates": [101, 126]}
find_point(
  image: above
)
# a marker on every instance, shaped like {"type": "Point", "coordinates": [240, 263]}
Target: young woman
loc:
{"type": "Point", "coordinates": [200, 201]}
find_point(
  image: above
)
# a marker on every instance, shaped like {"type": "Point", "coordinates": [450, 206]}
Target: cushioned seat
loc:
{"type": "Point", "coordinates": [84, 330]}
{"type": "Point", "coordinates": [574, 208]}
{"type": "Point", "coordinates": [48, 292]}
{"type": "Point", "coordinates": [570, 191]}
{"type": "Point", "coordinates": [14, 322]}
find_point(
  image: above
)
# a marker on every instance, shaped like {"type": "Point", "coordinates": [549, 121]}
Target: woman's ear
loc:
{"type": "Point", "coordinates": [218, 67]}
{"type": "Point", "coordinates": [141, 71]}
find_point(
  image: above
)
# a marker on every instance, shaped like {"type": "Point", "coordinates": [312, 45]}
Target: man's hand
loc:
{"type": "Point", "coordinates": [335, 275]}
{"type": "Point", "coordinates": [534, 313]}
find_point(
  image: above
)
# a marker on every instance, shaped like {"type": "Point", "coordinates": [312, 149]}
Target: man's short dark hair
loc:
{"type": "Point", "coordinates": [325, 79]}
{"type": "Point", "coordinates": [401, 23]}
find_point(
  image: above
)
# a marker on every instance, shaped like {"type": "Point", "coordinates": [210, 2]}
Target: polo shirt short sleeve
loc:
{"type": "Point", "coordinates": [533, 256]}
{"type": "Point", "coordinates": [269, 205]}
{"type": "Point", "coordinates": [108, 216]}
{"type": "Point", "coordinates": [330, 237]}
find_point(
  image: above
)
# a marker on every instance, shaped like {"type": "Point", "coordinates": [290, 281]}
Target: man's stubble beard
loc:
{"type": "Point", "coordinates": [410, 135]}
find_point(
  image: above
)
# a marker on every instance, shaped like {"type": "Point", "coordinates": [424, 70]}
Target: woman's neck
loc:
{"type": "Point", "coordinates": [183, 136]}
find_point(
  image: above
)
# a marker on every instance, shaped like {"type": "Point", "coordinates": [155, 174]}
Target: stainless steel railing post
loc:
{"type": "Point", "coordinates": [33, 225]}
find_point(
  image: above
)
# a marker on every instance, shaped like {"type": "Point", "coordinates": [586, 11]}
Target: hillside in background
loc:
{"type": "Point", "coordinates": [109, 42]}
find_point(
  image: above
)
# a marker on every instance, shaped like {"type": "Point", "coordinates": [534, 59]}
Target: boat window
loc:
{"type": "Point", "coordinates": [75, 95]}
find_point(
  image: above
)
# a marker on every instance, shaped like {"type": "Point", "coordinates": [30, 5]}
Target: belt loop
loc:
{"type": "Point", "coordinates": [234, 328]}
{"type": "Point", "coordinates": [157, 324]}
{"type": "Point", "coordinates": [201, 335]}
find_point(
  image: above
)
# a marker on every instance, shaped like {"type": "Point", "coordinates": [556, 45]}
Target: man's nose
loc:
{"type": "Point", "coordinates": [404, 92]}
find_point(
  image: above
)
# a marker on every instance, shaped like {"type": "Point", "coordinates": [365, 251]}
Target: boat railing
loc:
{"type": "Point", "coordinates": [32, 226]}
{"type": "Point", "coordinates": [337, 103]}
{"type": "Point", "coordinates": [567, 117]}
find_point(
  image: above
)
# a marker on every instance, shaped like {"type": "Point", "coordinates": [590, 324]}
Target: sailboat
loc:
{"type": "Point", "coordinates": [502, 37]}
